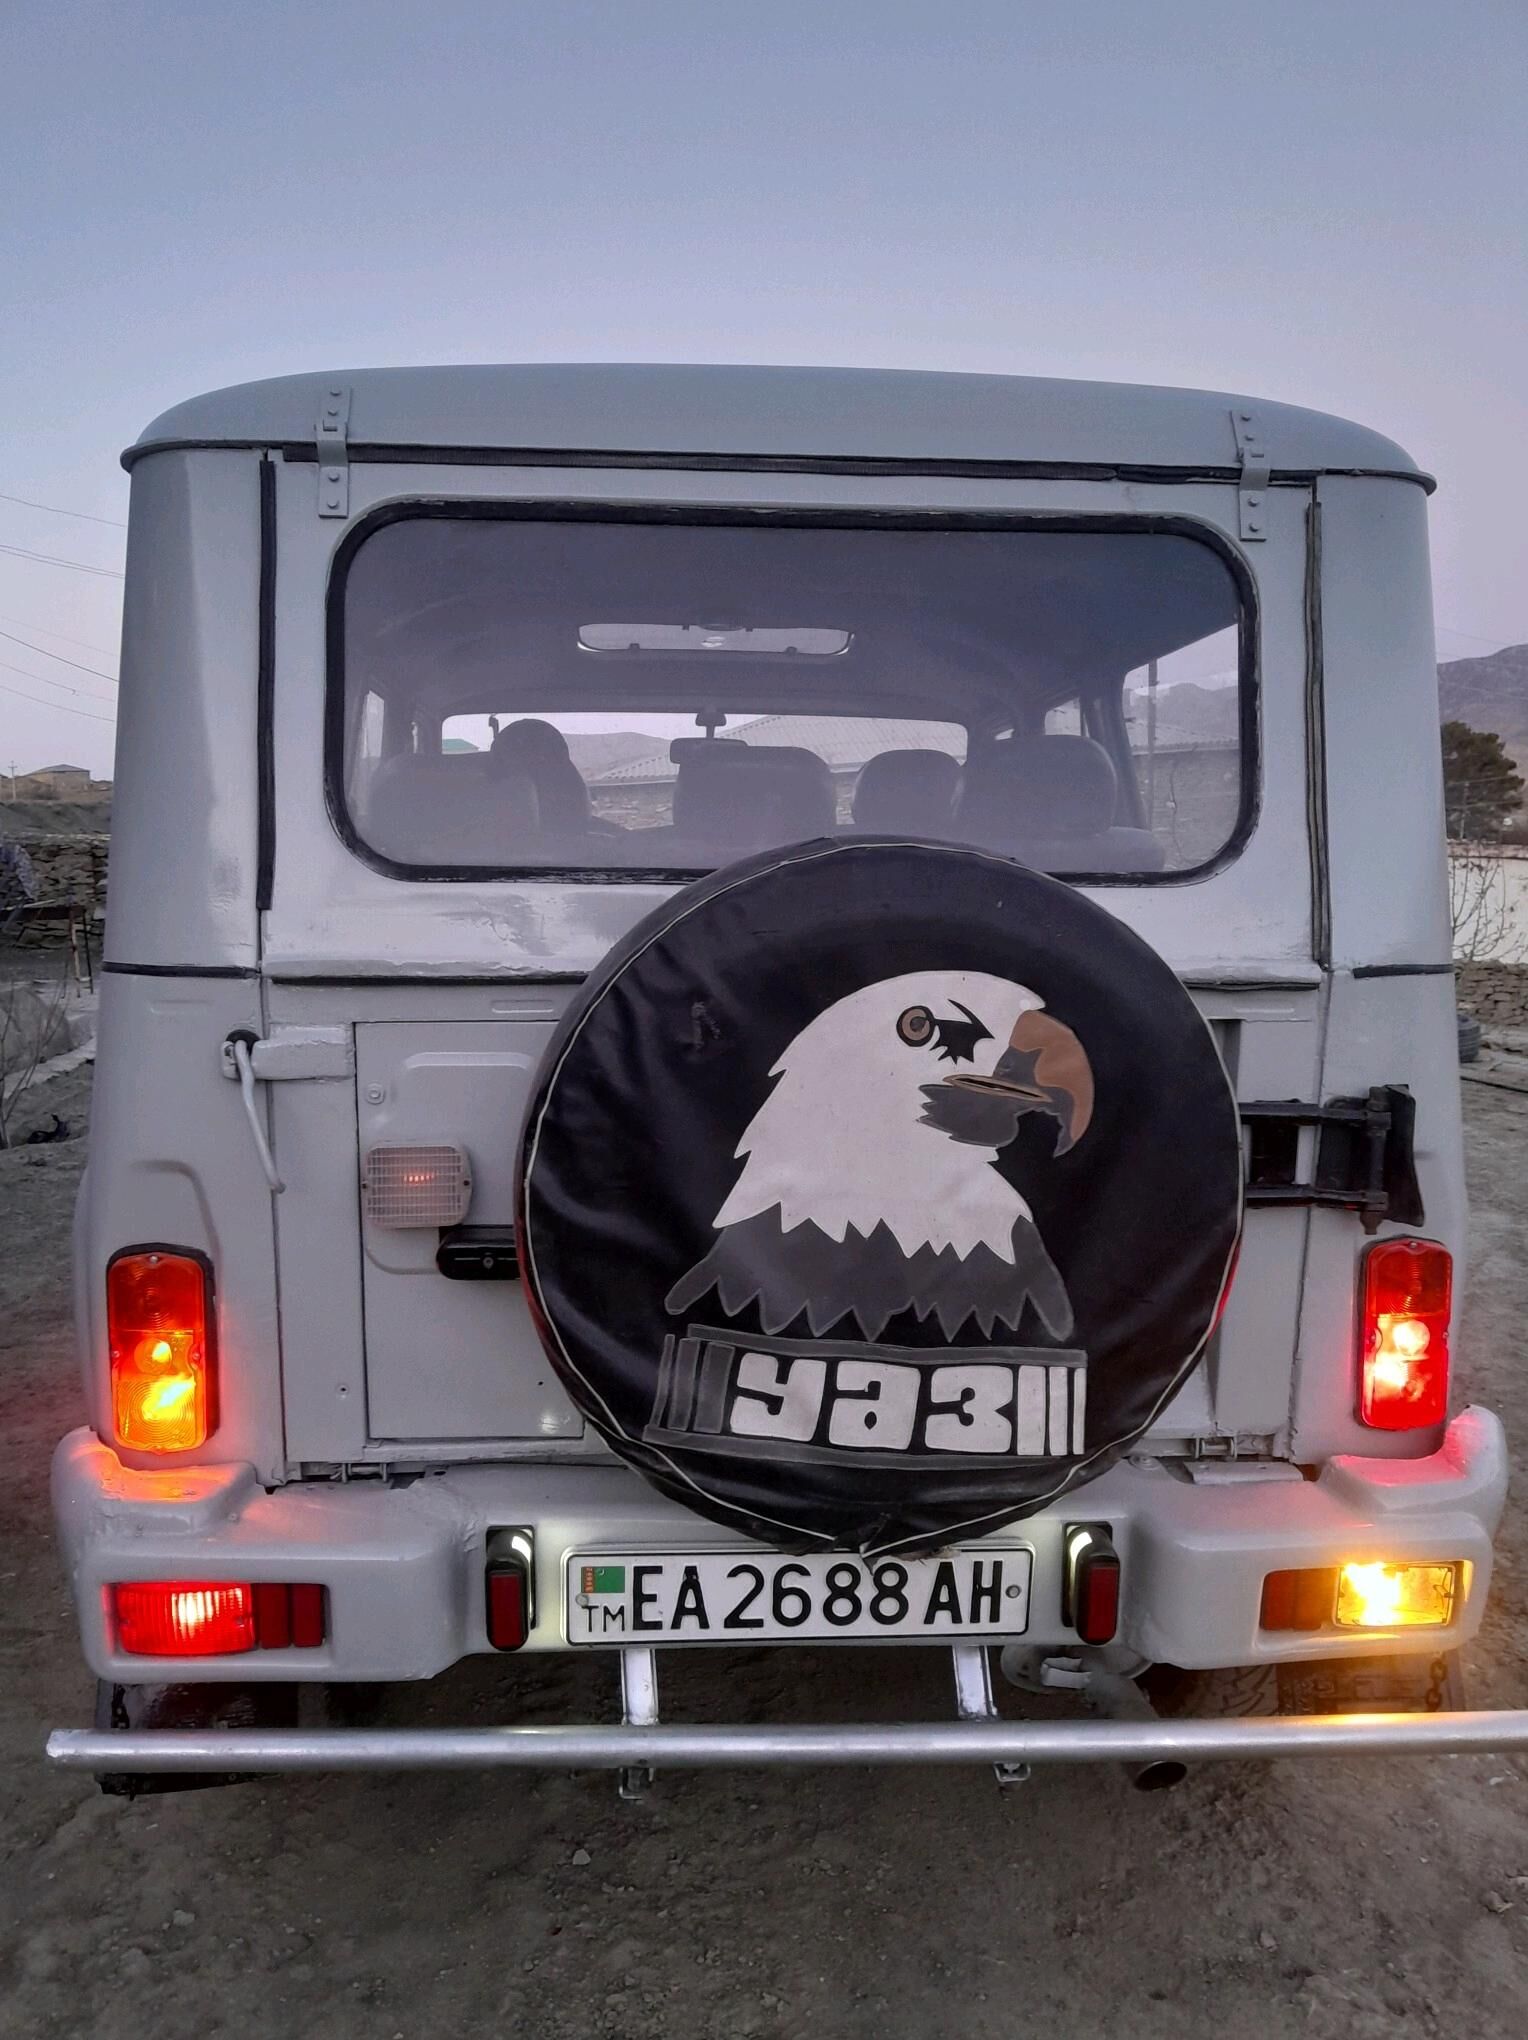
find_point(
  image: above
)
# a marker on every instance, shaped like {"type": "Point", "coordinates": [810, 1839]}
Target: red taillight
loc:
{"type": "Point", "coordinates": [159, 1326]}
{"type": "Point", "coordinates": [215, 1618]}
{"type": "Point", "coordinates": [1090, 1582]}
{"type": "Point", "coordinates": [1403, 1335]}
{"type": "Point", "coordinates": [184, 1618]}
{"type": "Point", "coordinates": [509, 1588]}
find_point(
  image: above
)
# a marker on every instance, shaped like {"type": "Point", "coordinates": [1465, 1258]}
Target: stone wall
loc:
{"type": "Point", "coordinates": [68, 867]}
{"type": "Point", "coordinates": [1496, 993]}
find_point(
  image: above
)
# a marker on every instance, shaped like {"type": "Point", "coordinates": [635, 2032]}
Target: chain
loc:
{"type": "Point", "coordinates": [1437, 1672]}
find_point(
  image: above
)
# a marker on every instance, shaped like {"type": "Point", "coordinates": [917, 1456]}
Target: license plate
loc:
{"type": "Point", "coordinates": [725, 1597]}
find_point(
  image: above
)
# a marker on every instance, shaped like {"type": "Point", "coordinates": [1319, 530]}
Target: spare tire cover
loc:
{"type": "Point", "coordinates": [875, 1193]}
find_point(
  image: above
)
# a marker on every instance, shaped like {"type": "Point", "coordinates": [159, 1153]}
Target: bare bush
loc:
{"type": "Point", "coordinates": [32, 1027]}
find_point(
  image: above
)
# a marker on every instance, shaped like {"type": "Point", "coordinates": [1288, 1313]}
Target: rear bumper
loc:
{"type": "Point", "coordinates": [402, 1564]}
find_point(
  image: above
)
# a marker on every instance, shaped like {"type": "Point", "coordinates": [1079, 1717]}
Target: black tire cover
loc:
{"type": "Point", "coordinates": [875, 1193]}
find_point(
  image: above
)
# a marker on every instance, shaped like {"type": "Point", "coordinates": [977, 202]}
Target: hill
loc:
{"type": "Point", "coordinates": [1489, 694]}
{"type": "Point", "coordinates": [599, 750]}
{"type": "Point", "coordinates": [592, 751]}
{"type": "Point", "coordinates": [1186, 711]}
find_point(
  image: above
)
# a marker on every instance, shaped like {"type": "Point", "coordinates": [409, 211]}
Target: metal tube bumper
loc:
{"type": "Point", "coordinates": [672, 1746]}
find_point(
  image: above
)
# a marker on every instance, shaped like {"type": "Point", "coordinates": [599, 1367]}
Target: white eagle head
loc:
{"type": "Point", "coordinates": [890, 1106]}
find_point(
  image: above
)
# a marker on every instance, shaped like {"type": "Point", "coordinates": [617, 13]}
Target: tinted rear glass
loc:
{"type": "Point", "coordinates": [515, 694]}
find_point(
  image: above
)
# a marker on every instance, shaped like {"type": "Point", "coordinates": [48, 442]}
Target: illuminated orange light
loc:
{"type": "Point", "coordinates": [160, 1332]}
{"type": "Point", "coordinates": [1380, 1596]}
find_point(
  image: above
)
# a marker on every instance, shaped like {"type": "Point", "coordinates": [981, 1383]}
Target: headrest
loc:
{"type": "Point", "coordinates": [529, 741]}
{"type": "Point", "coordinates": [539, 751]}
{"type": "Point", "coordinates": [1040, 786]}
{"type": "Point", "coordinates": [912, 791]}
{"type": "Point", "coordinates": [753, 793]}
{"type": "Point", "coordinates": [424, 809]}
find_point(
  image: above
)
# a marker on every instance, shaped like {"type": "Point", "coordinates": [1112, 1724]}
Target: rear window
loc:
{"type": "Point", "coordinates": [593, 695]}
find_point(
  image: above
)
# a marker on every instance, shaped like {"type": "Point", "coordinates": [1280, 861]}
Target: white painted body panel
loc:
{"type": "Point", "coordinates": [623, 410]}
{"type": "Point", "coordinates": [344, 1350]}
{"type": "Point", "coordinates": [184, 798]}
{"type": "Point", "coordinates": [331, 914]}
{"type": "Point", "coordinates": [402, 1565]}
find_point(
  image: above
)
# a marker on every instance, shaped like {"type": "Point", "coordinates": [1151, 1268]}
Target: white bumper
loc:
{"type": "Point", "coordinates": [403, 1563]}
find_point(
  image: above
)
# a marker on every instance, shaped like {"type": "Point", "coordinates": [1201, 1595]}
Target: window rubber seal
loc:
{"type": "Point", "coordinates": [535, 510]}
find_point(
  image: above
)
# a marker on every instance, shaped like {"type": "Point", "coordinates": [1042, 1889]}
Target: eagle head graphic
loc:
{"type": "Point", "coordinates": [867, 1186]}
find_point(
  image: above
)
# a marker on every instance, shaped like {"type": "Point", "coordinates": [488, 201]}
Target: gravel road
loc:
{"type": "Point", "coordinates": [1324, 1899]}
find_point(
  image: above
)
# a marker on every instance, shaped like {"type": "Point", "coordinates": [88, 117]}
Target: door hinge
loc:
{"type": "Point", "coordinates": [1252, 487]}
{"type": "Point", "coordinates": [1364, 1155]}
{"type": "Point", "coordinates": [334, 452]}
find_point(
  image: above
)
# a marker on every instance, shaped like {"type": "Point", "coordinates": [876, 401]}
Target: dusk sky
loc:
{"type": "Point", "coordinates": [1322, 204]}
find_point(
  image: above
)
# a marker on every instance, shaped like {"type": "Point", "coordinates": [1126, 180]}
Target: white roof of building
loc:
{"type": "Point", "coordinates": [847, 741]}
{"type": "Point", "coordinates": [783, 414]}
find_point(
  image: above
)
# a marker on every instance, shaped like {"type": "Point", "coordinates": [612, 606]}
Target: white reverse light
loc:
{"type": "Point", "coordinates": [404, 1186]}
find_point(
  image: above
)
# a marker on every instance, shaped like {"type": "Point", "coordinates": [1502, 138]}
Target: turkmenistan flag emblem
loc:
{"type": "Point", "coordinates": [603, 1579]}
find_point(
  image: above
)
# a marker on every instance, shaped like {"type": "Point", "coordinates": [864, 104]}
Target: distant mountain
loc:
{"type": "Point", "coordinates": [1191, 713]}
{"type": "Point", "coordinates": [1489, 694]}
{"type": "Point", "coordinates": [599, 751]}
{"type": "Point", "coordinates": [592, 753]}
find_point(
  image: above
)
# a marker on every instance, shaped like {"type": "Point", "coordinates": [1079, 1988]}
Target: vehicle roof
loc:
{"type": "Point", "coordinates": [788, 415]}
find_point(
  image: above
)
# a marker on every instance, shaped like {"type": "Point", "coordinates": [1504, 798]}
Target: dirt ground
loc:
{"type": "Point", "coordinates": [1344, 1901]}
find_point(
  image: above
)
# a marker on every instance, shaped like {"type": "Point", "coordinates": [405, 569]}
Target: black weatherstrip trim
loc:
{"type": "Point", "coordinates": [1315, 742]}
{"type": "Point", "coordinates": [1377, 970]}
{"type": "Point", "coordinates": [380, 981]}
{"type": "Point", "coordinates": [181, 970]}
{"type": "Point", "coordinates": [403, 453]}
{"type": "Point", "coordinates": [1232, 983]}
{"type": "Point", "coordinates": [265, 753]}
{"type": "Point", "coordinates": [785, 517]}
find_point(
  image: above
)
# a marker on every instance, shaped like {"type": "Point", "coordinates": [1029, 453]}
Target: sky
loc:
{"type": "Point", "coordinates": [1323, 204]}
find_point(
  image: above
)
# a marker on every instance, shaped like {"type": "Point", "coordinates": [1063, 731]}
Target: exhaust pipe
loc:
{"type": "Point", "coordinates": [1117, 1698]}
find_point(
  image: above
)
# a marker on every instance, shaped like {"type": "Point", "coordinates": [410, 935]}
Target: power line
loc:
{"type": "Point", "coordinates": [21, 623]}
{"type": "Point", "coordinates": [1473, 635]}
{"type": "Point", "coordinates": [62, 706]}
{"type": "Point", "coordinates": [50, 560]}
{"type": "Point", "coordinates": [43, 653]}
{"type": "Point", "coordinates": [54, 511]}
{"type": "Point", "coordinates": [42, 680]}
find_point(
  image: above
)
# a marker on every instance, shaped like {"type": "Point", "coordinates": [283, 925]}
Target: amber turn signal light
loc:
{"type": "Point", "coordinates": [1361, 1595]}
{"type": "Point", "coordinates": [1379, 1596]}
{"type": "Point", "coordinates": [160, 1331]}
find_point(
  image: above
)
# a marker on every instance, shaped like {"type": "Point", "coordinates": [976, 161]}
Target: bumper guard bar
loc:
{"type": "Point", "coordinates": [671, 1745]}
